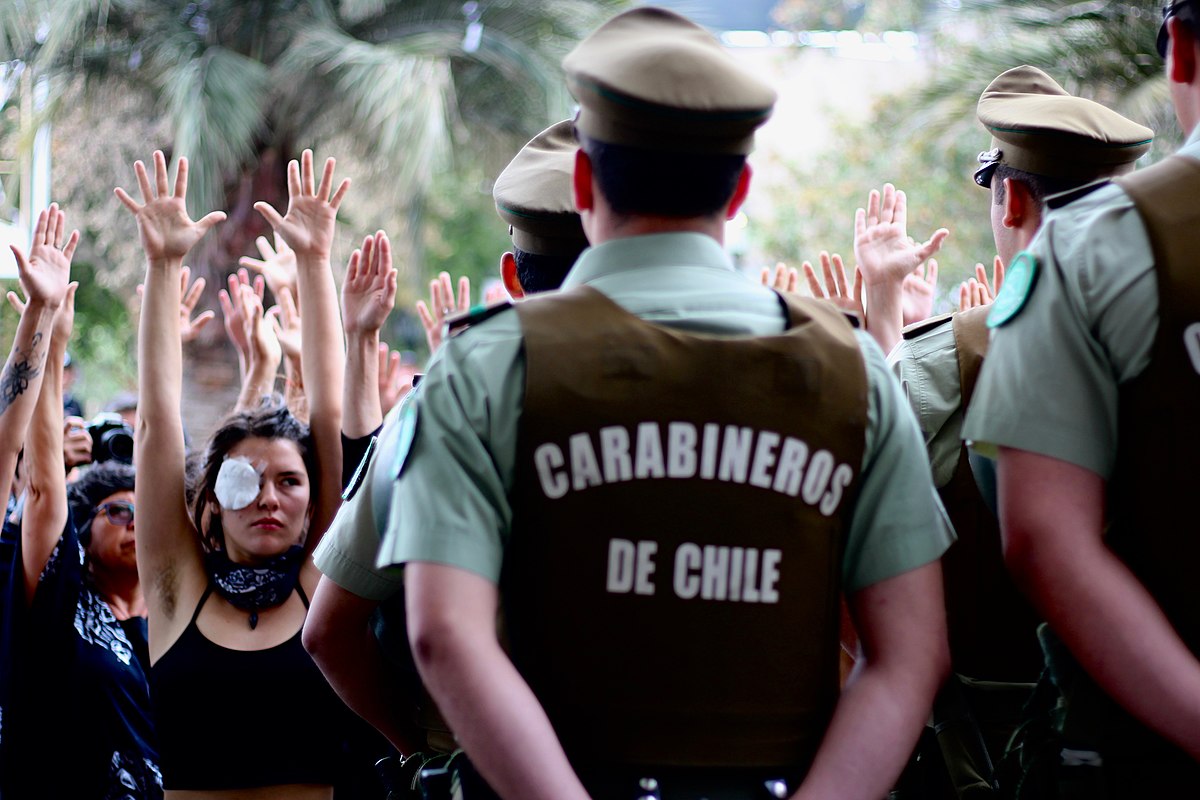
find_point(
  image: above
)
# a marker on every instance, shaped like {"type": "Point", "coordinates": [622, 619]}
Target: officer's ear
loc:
{"type": "Point", "coordinates": [581, 184]}
{"type": "Point", "coordinates": [1181, 51]}
{"type": "Point", "coordinates": [1017, 203]}
{"type": "Point", "coordinates": [508, 274]}
{"type": "Point", "coordinates": [739, 192]}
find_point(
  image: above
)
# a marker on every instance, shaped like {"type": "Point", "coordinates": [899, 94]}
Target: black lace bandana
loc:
{"type": "Point", "coordinates": [255, 588]}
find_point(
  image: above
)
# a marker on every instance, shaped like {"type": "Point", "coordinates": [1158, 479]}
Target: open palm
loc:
{"type": "Point", "coordinates": [882, 246]}
{"type": "Point", "coordinates": [308, 225]}
{"type": "Point", "coordinates": [369, 291]}
{"type": "Point", "coordinates": [46, 270]}
{"type": "Point", "coordinates": [166, 230]}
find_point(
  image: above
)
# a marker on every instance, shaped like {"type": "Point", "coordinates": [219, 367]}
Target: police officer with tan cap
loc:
{"type": "Point", "coordinates": [667, 473]}
{"type": "Point", "coordinates": [1045, 142]}
{"type": "Point", "coordinates": [533, 195]}
{"type": "Point", "coordinates": [1089, 395]}
{"type": "Point", "coordinates": [355, 628]}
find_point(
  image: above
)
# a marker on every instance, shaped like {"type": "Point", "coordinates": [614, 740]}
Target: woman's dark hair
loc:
{"type": "Point", "coordinates": [98, 482]}
{"type": "Point", "coordinates": [271, 420]}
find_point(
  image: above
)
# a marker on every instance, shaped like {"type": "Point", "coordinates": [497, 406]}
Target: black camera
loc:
{"type": "Point", "coordinates": [112, 438]}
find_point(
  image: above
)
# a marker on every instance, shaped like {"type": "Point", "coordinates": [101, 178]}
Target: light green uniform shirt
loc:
{"type": "Point", "coordinates": [455, 486]}
{"type": "Point", "coordinates": [1049, 384]}
{"type": "Point", "coordinates": [927, 366]}
{"type": "Point", "coordinates": [347, 552]}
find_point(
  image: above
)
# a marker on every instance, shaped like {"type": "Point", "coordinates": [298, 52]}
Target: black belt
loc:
{"type": "Point", "coordinates": [689, 783]}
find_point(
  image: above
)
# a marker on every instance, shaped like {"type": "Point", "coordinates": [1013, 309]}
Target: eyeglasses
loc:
{"type": "Point", "coordinates": [1169, 11]}
{"type": "Point", "coordinates": [118, 513]}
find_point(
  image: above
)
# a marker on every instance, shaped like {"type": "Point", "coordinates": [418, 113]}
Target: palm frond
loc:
{"type": "Point", "coordinates": [217, 104]}
{"type": "Point", "coordinates": [395, 96]}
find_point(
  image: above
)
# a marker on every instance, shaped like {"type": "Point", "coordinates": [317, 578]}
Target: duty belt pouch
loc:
{"type": "Point", "coordinates": [1054, 753]}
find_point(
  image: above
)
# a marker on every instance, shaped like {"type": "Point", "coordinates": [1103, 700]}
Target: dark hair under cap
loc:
{"type": "Point", "coordinates": [100, 481]}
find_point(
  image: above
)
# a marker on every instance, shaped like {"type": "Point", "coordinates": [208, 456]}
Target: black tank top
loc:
{"type": "Point", "coordinates": [239, 719]}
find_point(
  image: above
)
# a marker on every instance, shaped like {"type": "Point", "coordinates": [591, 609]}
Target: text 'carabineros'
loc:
{"type": "Point", "coordinates": [683, 451]}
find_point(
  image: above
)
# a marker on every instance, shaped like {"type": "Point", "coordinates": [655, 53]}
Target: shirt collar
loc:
{"type": "Point", "coordinates": [640, 252]}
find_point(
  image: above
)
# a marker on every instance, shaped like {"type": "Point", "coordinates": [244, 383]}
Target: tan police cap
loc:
{"type": "Point", "coordinates": [1038, 127]}
{"type": "Point", "coordinates": [650, 78]}
{"type": "Point", "coordinates": [533, 195]}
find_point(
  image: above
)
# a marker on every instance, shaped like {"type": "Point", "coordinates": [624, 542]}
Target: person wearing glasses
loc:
{"type": "Point", "coordinates": [80, 722]}
{"type": "Point", "coordinates": [1089, 397]}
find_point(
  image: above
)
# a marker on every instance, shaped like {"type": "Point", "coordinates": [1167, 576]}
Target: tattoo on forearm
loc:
{"type": "Point", "coordinates": [25, 366]}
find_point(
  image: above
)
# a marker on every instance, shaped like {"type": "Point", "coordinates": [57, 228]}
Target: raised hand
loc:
{"type": "Point", "coordinates": [918, 291]}
{"type": "Point", "coordinates": [265, 351]}
{"type": "Point", "coordinates": [308, 225]}
{"type": "Point", "coordinates": [885, 252]}
{"type": "Point", "coordinates": [782, 279]}
{"type": "Point", "coordinates": [369, 290]}
{"type": "Point", "coordinates": [189, 327]}
{"type": "Point", "coordinates": [166, 230]}
{"type": "Point", "coordinates": [837, 289]}
{"type": "Point", "coordinates": [395, 378]}
{"type": "Point", "coordinates": [979, 291]}
{"type": "Point", "coordinates": [277, 265]}
{"type": "Point", "coordinates": [45, 272]}
{"type": "Point", "coordinates": [442, 305]}
{"type": "Point", "coordinates": [231, 310]}
{"type": "Point", "coordinates": [285, 320]}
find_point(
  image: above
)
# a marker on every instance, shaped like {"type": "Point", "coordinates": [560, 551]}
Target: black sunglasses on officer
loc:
{"type": "Point", "coordinates": [1185, 10]}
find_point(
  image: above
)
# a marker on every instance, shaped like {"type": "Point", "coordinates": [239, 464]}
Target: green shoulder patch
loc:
{"type": "Point", "coordinates": [457, 324]}
{"type": "Point", "coordinates": [406, 433]}
{"type": "Point", "coordinates": [1019, 280]}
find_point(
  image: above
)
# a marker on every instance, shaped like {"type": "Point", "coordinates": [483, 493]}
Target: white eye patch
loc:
{"type": "Point", "coordinates": [238, 483]}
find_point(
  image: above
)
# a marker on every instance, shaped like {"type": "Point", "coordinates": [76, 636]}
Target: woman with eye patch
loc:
{"type": "Point", "coordinates": [80, 720]}
{"type": "Point", "coordinates": [241, 711]}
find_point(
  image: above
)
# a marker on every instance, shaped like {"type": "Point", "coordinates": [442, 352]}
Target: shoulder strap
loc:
{"type": "Point", "coordinates": [971, 342]}
{"type": "Point", "coordinates": [303, 596]}
{"type": "Point", "coordinates": [1165, 195]}
{"type": "Point", "coordinates": [196, 614]}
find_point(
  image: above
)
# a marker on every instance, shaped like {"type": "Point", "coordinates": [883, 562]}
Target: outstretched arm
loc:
{"type": "Point", "coordinates": [339, 637]}
{"type": "Point", "coordinates": [308, 228]}
{"type": "Point", "coordinates": [1052, 523]}
{"type": "Point", "coordinates": [43, 274]}
{"type": "Point", "coordinates": [901, 624]}
{"type": "Point", "coordinates": [46, 508]}
{"type": "Point", "coordinates": [166, 544]}
{"type": "Point", "coordinates": [368, 294]}
{"type": "Point", "coordinates": [493, 712]}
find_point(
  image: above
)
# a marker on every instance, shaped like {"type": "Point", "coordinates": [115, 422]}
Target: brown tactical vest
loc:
{"type": "Point", "coordinates": [992, 627]}
{"type": "Point", "coordinates": [1152, 518]}
{"type": "Point", "coordinates": [671, 585]}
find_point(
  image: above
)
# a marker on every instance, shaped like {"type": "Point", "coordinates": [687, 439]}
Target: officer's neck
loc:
{"type": "Point", "coordinates": [606, 226]}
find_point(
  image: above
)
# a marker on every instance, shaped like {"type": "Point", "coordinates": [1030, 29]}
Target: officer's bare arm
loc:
{"type": "Point", "coordinates": [1052, 517]}
{"type": "Point", "coordinates": [501, 725]}
{"type": "Point", "coordinates": [902, 627]}
{"type": "Point", "coordinates": [338, 636]}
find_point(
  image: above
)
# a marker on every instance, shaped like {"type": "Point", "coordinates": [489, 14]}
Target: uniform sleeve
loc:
{"type": "Point", "coordinates": [927, 367]}
{"type": "Point", "coordinates": [454, 483]}
{"type": "Point", "coordinates": [347, 552]}
{"type": "Point", "coordinates": [1050, 381]}
{"type": "Point", "coordinates": [898, 522]}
